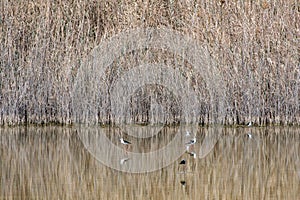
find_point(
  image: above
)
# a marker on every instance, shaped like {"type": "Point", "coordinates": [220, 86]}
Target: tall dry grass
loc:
{"type": "Point", "coordinates": [255, 45]}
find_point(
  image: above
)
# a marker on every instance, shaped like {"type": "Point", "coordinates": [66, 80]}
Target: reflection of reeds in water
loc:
{"type": "Point", "coordinates": [51, 163]}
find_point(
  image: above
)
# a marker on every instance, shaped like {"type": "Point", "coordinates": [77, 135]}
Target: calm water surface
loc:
{"type": "Point", "coordinates": [53, 163]}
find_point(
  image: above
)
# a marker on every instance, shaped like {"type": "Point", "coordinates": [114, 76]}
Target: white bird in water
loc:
{"type": "Point", "coordinates": [192, 141]}
{"type": "Point", "coordinates": [124, 141]}
{"type": "Point", "coordinates": [249, 124]}
{"type": "Point", "coordinates": [123, 160]}
{"type": "Point", "coordinates": [193, 154]}
{"type": "Point", "coordinates": [249, 135]}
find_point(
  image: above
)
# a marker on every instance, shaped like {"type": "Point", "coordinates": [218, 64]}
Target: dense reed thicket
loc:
{"type": "Point", "coordinates": [254, 45]}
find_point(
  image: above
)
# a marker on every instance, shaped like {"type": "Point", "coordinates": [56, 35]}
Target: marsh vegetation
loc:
{"type": "Point", "coordinates": [254, 46]}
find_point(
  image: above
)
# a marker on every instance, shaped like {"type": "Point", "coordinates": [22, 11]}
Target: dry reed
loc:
{"type": "Point", "coordinates": [255, 45]}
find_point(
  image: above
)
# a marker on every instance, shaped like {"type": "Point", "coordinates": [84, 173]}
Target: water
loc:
{"type": "Point", "coordinates": [52, 163]}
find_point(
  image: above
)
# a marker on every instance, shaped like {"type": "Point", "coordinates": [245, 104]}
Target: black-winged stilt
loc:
{"type": "Point", "coordinates": [123, 160]}
{"type": "Point", "coordinates": [192, 141]}
{"type": "Point", "coordinates": [182, 162]}
{"type": "Point", "coordinates": [124, 141]}
{"type": "Point", "coordinates": [182, 183]}
{"type": "Point", "coordinates": [249, 135]}
{"type": "Point", "coordinates": [193, 154]}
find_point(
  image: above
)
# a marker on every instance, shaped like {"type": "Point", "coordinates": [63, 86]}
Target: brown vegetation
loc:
{"type": "Point", "coordinates": [255, 45]}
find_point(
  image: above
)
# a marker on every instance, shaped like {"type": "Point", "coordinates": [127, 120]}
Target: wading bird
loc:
{"type": "Point", "coordinates": [182, 162]}
{"type": "Point", "coordinates": [124, 141]}
{"type": "Point", "coordinates": [182, 183]}
{"type": "Point", "coordinates": [123, 160]}
{"type": "Point", "coordinates": [193, 154]}
{"type": "Point", "coordinates": [192, 141]}
{"type": "Point", "coordinates": [249, 135]}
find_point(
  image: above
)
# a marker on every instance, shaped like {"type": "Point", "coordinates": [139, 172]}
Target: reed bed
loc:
{"type": "Point", "coordinates": [254, 46]}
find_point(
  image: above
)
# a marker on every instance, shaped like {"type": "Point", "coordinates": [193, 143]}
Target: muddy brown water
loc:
{"type": "Point", "coordinates": [53, 162]}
